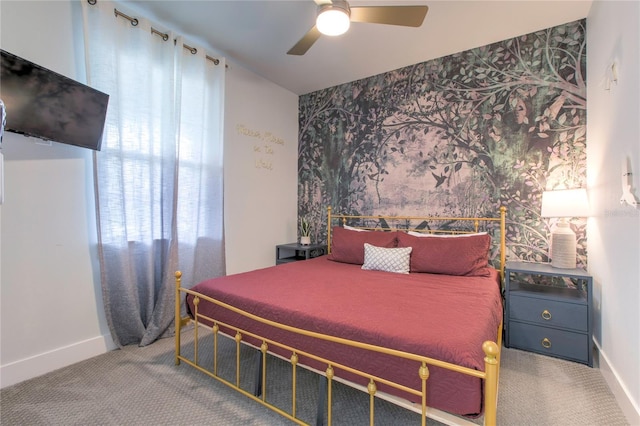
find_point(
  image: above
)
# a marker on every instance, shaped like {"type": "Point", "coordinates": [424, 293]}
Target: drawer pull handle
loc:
{"type": "Point", "coordinates": [546, 343]}
{"type": "Point", "coordinates": [546, 315]}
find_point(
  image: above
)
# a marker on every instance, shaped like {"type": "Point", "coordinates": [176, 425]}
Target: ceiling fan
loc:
{"type": "Point", "coordinates": [334, 17]}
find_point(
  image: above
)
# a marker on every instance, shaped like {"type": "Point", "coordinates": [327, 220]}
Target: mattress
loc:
{"type": "Point", "coordinates": [439, 316]}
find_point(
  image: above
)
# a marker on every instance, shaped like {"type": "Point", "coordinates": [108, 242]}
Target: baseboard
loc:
{"type": "Point", "coordinates": [630, 410]}
{"type": "Point", "coordinates": [28, 368]}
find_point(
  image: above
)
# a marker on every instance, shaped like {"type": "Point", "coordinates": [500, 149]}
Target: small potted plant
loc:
{"type": "Point", "coordinates": [305, 232]}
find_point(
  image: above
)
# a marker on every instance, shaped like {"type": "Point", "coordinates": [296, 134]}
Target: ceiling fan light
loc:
{"type": "Point", "coordinates": [333, 21]}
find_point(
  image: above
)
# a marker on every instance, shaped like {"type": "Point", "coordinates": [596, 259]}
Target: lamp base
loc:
{"type": "Point", "coordinates": [563, 247]}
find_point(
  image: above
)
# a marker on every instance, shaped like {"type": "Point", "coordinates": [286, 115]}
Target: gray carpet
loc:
{"type": "Point", "coordinates": [142, 386]}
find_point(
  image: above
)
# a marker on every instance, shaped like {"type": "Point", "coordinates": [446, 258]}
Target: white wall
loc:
{"type": "Point", "coordinates": [261, 170]}
{"type": "Point", "coordinates": [614, 230]}
{"type": "Point", "coordinates": [51, 308]}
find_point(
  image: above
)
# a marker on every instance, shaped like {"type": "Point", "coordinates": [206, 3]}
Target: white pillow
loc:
{"type": "Point", "coordinates": [351, 228]}
{"type": "Point", "coordinates": [426, 234]}
{"type": "Point", "coordinates": [386, 259]}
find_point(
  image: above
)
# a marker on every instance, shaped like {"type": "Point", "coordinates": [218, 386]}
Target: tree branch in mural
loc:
{"type": "Point", "coordinates": [491, 126]}
{"type": "Point", "coordinates": [338, 152]}
{"type": "Point", "coordinates": [496, 103]}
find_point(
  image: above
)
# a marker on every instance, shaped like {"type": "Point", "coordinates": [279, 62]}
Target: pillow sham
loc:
{"type": "Point", "coordinates": [421, 234]}
{"type": "Point", "coordinates": [386, 259]}
{"type": "Point", "coordinates": [451, 256]}
{"type": "Point", "coordinates": [348, 246]}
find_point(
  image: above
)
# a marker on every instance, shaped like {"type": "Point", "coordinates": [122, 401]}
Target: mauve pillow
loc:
{"type": "Point", "coordinates": [451, 256]}
{"type": "Point", "coordinates": [348, 246]}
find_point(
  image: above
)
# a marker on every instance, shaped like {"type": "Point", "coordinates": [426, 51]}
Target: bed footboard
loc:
{"type": "Point", "coordinates": [422, 363]}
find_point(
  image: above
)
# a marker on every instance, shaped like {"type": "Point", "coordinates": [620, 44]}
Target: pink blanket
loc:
{"type": "Point", "coordinates": [440, 316]}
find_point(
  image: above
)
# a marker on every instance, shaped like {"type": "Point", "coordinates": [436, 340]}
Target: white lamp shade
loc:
{"type": "Point", "coordinates": [565, 203]}
{"type": "Point", "coordinates": [333, 21]}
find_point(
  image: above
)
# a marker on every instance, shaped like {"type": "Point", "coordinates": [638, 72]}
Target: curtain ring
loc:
{"type": "Point", "coordinates": [193, 50]}
{"type": "Point", "coordinates": [134, 21]}
{"type": "Point", "coordinates": [92, 2]}
{"type": "Point", "coordinates": [164, 36]}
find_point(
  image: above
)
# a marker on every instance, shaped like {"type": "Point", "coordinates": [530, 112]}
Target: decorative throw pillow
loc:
{"type": "Point", "coordinates": [386, 259]}
{"type": "Point", "coordinates": [452, 256]}
{"type": "Point", "coordinates": [348, 246]}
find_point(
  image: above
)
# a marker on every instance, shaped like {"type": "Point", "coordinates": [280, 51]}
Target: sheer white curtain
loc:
{"type": "Point", "coordinates": [158, 177]}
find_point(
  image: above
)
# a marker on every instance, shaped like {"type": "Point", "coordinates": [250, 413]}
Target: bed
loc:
{"type": "Point", "coordinates": [401, 308]}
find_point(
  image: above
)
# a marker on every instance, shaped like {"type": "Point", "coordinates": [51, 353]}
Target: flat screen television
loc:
{"type": "Point", "coordinates": [50, 106]}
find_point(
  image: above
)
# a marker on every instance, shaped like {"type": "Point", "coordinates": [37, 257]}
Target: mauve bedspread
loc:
{"type": "Point", "coordinates": [440, 316]}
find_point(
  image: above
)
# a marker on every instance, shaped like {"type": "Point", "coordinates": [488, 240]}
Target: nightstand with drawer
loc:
{"type": "Point", "coordinates": [549, 310]}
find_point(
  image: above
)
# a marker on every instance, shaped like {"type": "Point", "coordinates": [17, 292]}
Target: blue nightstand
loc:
{"type": "Point", "coordinates": [549, 310]}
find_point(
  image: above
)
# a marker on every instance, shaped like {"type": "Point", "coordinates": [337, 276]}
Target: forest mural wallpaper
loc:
{"type": "Point", "coordinates": [459, 135]}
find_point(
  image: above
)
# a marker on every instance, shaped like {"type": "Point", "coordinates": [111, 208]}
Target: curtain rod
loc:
{"type": "Point", "coordinates": [165, 36]}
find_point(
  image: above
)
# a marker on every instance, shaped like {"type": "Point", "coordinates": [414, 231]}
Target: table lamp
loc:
{"type": "Point", "coordinates": [564, 203]}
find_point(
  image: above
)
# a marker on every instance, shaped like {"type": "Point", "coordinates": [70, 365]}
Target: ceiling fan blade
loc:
{"type": "Point", "coordinates": [408, 16]}
{"type": "Point", "coordinates": [305, 42]}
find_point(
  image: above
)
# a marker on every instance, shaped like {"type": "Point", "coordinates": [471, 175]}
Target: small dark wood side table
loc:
{"type": "Point", "coordinates": [549, 310]}
{"type": "Point", "coordinates": [292, 252]}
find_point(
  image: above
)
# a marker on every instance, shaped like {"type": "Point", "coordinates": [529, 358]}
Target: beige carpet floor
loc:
{"type": "Point", "coordinates": [142, 386]}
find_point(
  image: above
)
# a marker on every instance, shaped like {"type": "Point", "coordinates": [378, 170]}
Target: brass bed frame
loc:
{"type": "Point", "coordinates": [491, 348]}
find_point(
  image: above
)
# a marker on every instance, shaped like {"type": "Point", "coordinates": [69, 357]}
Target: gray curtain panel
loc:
{"type": "Point", "coordinates": [158, 177]}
